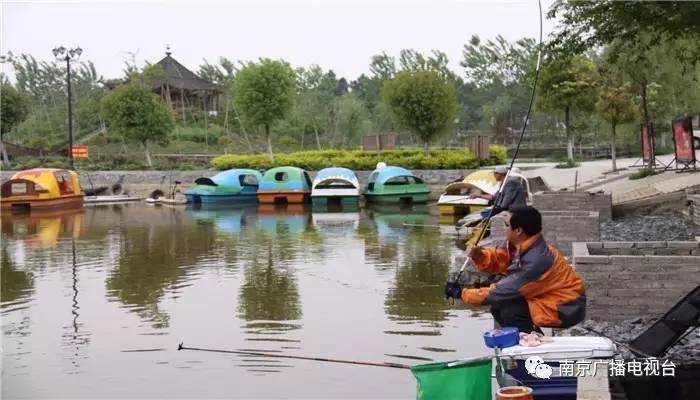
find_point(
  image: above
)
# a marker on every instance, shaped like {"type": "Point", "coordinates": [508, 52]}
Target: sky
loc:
{"type": "Point", "coordinates": [341, 35]}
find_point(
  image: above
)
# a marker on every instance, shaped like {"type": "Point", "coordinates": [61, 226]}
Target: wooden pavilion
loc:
{"type": "Point", "coordinates": [184, 90]}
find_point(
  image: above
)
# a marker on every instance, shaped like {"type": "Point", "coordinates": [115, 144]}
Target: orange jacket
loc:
{"type": "Point", "coordinates": [554, 292]}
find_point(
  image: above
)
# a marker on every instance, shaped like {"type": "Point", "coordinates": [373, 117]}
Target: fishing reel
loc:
{"type": "Point", "coordinates": [469, 280]}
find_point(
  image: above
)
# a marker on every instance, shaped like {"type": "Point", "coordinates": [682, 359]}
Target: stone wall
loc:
{"type": "Point", "coordinates": [631, 279]}
{"type": "Point", "coordinates": [694, 200]}
{"type": "Point", "coordinates": [579, 201]}
{"type": "Point", "coordinates": [560, 228]}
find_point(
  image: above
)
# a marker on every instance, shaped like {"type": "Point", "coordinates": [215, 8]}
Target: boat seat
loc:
{"type": "Point", "coordinates": [665, 332]}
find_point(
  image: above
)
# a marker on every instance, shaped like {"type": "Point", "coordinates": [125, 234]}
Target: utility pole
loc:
{"type": "Point", "coordinates": [63, 54]}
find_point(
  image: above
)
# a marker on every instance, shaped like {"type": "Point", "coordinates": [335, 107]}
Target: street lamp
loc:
{"type": "Point", "coordinates": [68, 55]}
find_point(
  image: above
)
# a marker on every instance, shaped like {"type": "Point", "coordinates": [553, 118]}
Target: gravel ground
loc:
{"type": "Point", "coordinates": [685, 351]}
{"type": "Point", "coordinates": [649, 228]}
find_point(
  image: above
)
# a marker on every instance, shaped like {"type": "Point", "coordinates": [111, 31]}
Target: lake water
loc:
{"type": "Point", "coordinates": [95, 302]}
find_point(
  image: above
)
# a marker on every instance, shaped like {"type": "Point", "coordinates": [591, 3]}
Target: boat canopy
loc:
{"type": "Point", "coordinates": [336, 178]}
{"type": "Point", "coordinates": [285, 178]}
{"type": "Point", "coordinates": [382, 175]}
{"type": "Point", "coordinates": [235, 178]}
{"type": "Point", "coordinates": [51, 182]}
{"type": "Point", "coordinates": [482, 180]}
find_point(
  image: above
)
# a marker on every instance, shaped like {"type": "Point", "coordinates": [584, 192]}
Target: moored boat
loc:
{"type": "Point", "coordinates": [231, 186]}
{"type": "Point", "coordinates": [388, 184]}
{"type": "Point", "coordinates": [284, 185]}
{"type": "Point", "coordinates": [335, 186]}
{"type": "Point", "coordinates": [455, 200]}
{"type": "Point", "coordinates": [42, 189]}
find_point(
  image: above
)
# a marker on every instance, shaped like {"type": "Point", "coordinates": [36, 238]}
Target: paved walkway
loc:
{"type": "Point", "coordinates": [594, 176]}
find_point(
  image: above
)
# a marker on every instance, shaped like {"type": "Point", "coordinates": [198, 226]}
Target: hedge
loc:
{"type": "Point", "coordinates": [363, 160]}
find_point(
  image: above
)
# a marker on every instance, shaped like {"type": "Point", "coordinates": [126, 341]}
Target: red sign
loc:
{"type": "Point", "coordinates": [80, 151]}
{"type": "Point", "coordinates": [647, 143]}
{"type": "Point", "coordinates": [683, 140]}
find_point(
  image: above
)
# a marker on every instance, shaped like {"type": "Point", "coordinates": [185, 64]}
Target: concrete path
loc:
{"type": "Point", "coordinates": [594, 176]}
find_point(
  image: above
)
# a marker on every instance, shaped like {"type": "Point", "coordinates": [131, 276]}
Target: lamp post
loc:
{"type": "Point", "coordinates": [68, 55]}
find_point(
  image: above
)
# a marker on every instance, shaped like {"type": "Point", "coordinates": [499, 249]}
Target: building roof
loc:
{"type": "Point", "coordinates": [180, 77]}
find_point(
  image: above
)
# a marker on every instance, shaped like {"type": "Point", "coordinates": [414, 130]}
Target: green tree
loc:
{"type": "Point", "coordinates": [587, 24]}
{"type": "Point", "coordinates": [351, 116]}
{"type": "Point", "coordinates": [14, 108]}
{"type": "Point", "coordinates": [264, 93]}
{"type": "Point", "coordinates": [615, 103]}
{"type": "Point", "coordinates": [316, 92]}
{"type": "Point", "coordinates": [44, 85]}
{"type": "Point", "coordinates": [567, 84]}
{"type": "Point", "coordinates": [422, 102]}
{"type": "Point", "coordinates": [138, 114]}
{"type": "Point", "coordinates": [498, 76]}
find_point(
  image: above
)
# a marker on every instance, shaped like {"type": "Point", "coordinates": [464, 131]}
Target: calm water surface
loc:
{"type": "Point", "coordinates": [94, 303]}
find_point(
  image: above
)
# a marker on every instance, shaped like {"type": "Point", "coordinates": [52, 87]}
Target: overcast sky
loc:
{"type": "Point", "coordinates": [336, 34]}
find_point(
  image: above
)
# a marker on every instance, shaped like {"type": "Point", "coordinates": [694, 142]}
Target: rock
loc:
{"type": "Point", "coordinates": [649, 228]}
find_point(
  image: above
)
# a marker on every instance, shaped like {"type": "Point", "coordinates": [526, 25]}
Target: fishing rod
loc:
{"type": "Point", "coordinates": [487, 220]}
{"type": "Point", "coordinates": [181, 346]}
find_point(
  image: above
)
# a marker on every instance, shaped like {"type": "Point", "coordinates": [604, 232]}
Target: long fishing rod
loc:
{"type": "Point", "coordinates": [181, 346]}
{"type": "Point", "coordinates": [487, 220]}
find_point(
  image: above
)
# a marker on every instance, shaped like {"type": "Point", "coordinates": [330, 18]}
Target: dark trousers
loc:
{"type": "Point", "coordinates": [514, 313]}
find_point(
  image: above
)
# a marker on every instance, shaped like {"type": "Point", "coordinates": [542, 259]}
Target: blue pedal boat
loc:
{"type": "Point", "coordinates": [231, 186]}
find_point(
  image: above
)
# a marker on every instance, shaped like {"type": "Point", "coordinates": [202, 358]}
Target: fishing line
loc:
{"type": "Point", "coordinates": [333, 360]}
{"type": "Point", "coordinates": [487, 220]}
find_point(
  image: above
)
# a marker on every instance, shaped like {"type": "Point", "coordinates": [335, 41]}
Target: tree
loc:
{"type": "Point", "coordinates": [138, 114]}
{"type": "Point", "coordinates": [615, 103]}
{"type": "Point", "coordinates": [499, 77]}
{"type": "Point", "coordinates": [422, 102]}
{"type": "Point", "coordinates": [568, 84]}
{"type": "Point", "coordinates": [14, 108]}
{"type": "Point", "coordinates": [44, 85]}
{"type": "Point", "coordinates": [586, 24]}
{"type": "Point", "coordinates": [264, 93]}
{"type": "Point", "coordinates": [316, 91]}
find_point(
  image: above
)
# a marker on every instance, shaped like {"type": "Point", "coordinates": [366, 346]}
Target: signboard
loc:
{"type": "Point", "coordinates": [647, 143]}
{"type": "Point", "coordinates": [80, 151]}
{"type": "Point", "coordinates": [683, 140]}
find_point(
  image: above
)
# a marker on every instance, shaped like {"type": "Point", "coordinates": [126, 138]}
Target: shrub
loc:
{"type": "Point", "coordinates": [355, 160]}
{"type": "Point", "coordinates": [498, 154]}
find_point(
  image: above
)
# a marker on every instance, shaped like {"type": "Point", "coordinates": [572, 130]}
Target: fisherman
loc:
{"type": "Point", "coordinates": [510, 194]}
{"type": "Point", "coordinates": [540, 288]}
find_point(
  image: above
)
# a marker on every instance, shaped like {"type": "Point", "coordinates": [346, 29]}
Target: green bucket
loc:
{"type": "Point", "coordinates": [457, 380]}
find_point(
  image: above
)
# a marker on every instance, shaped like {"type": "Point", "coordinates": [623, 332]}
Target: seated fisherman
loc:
{"type": "Point", "coordinates": [510, 194]}
{"type": "Point", "coordinates": [540, 289]}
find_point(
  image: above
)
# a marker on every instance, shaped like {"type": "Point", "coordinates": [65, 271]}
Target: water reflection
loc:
{"type": "Point", "coordinates": [385, 228]}
{"type": "Point", "coordinates": [227, 219]}
{"type": "Point", "coordinates": [273, 279]}
{"type": "Point", "coordinates": [269, 294]}
{"type": "Point", "coordinates": [417, 291]}
{"type": "Point", "coordinates": [72, 337]}
{"type": "Point", "coordinates": [17, 285]}
{"type": "Point", "coordinates": [42, 230]}
{"type": "Point", "coordinates": [154, 256]}
{"type": "Point", "coordinates": [336, 222]}
{"type": "Point", "coordinates": [408, 241]}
